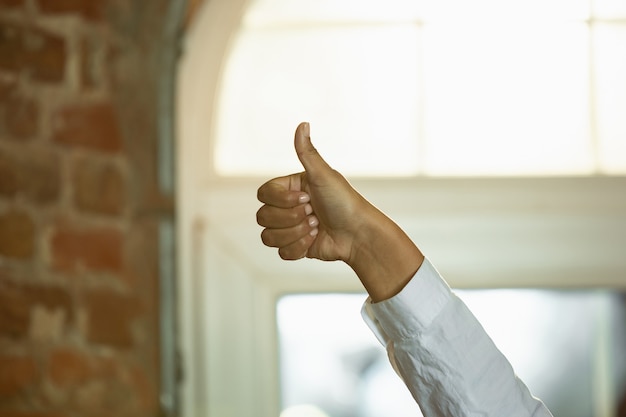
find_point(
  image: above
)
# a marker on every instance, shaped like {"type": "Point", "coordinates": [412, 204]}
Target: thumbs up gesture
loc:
{"type": "Point", "coordinates": [310, 214]}
{"type": "Point", "coordinates": [318, 214]}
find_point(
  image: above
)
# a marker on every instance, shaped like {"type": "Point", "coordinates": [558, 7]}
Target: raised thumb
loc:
{"type": "Point", "coordinates": [307, 154]}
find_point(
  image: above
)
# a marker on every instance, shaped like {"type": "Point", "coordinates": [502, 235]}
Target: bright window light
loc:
{"type": "Point", "coordinates": [356, 86]}
{"type": "Point", "coordinates": [330, 359]}
{"type": "Point", "coordinates": [269, 12]}
{"type": "Point", "coordinates": [610, 84]}
{"type": "Point", "coordinates": [304, 410]}
{"type": "Point", "coordinates": [520, 10]}
{"type": "Point", "coordinates": [507, 98]}
{"type": "Point", "coordinates": [439, 88]}
{"type": "Point", "coordinates": [609, 9]}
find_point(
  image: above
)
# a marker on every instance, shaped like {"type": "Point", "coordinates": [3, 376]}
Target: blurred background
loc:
{"type": "Point", "coordinates": [493, 132]}
{"type": "Point", "coordinates": [133, 137]}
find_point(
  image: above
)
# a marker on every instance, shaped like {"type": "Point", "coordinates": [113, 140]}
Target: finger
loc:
{"type": "Point", "coordinates": [283, 192]}
{"type": "Point", "coordinates": [278, 238]}
{"type": "Point", "coordinates": [278, 218]}
{"type": "Point", "coordinates": [297, 249]}
{"type": "Point", "coordinates": [311, 160]}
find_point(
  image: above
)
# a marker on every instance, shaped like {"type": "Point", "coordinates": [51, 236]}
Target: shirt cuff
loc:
{"type": "Point", "coordinates": [407, 313]}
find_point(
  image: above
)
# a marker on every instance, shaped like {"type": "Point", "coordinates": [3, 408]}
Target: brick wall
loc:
{"type": "Point", "coordinates": [79, 207]}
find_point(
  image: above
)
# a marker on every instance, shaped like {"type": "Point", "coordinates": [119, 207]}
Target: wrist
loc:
{"type": "Point", "coordinates": [382, 255]}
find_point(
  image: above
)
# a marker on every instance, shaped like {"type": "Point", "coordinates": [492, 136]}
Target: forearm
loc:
{"type": "Point", "coordinates": [383, 256]}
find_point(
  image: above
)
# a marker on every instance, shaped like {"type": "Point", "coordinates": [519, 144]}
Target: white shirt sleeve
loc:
{"type": "Point", "coordinates": [443, 354]}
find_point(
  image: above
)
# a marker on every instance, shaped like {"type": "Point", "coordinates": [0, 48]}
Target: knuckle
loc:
{"type": "Point", "coordinates": [260, 217]}
{"type": "Point", "coordinates": [296, 250]}
{"type": "Point", "coordinates": [302, 228]}
{"type": "Point", "coordinates": [292, 199]}
{"type": "Point", "coordinates": [266, 238]}
{"type": "Point", "coordinates": [294, 216]}
{"type": "Point", "coordinates": [285, 255]}
{"type": "Point", "coordinates": [262, 193]}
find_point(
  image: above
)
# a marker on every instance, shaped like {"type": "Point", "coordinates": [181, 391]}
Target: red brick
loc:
{"type": "Point", "coordinates": [89, 9]}
{"type": "Point", "coordinates": [89, 63]}
{"type": "Point", "coordinates": [40, 54]}
{"type": "Point", "coordinates": [96, 383]}
{"type": "Point", "coordinates": [110, 318]}
{"type": "Point", "coordinates": [11, 3]}
{"type": "Point", "coordinates": [142, 246]}
{"type": "Point", "coordinates": [96, 249]}
{"type": "Point", "coordinates": [17, 302]}
{"type": "Point", "coordinates": [40, 177]}
{"type": "Point", "coordinates": [92, 126]}
{"type": "Point", "coordinates": [9, 175]}
{"type": "Point", "coordinates": [17, 235]}
{"type": "Point", "coordinates": [35, 175]}
{"type": "Point", "coordinates": [15, 317]}
{"type": "Point", "coordinates": [21, 117]}
{"type": "Point", "coordinates": [109, 388]}
{"type": "Point", "coordinates": [93, 383]}
{"type": "Point", "coordinates": [106, 368]}
{"type": "Point", "coordinates": [7, 87]}
{"type": "Point", "coordinates": [146, 389]}
{"type": "Point", "coordinates": [95, 397]}
{"type": "Point", "coordinates": [68, 367]}
{"type": "Point", "coordinates": [17, 374]}
{"type": "Point", "coordinates": [98, 187]}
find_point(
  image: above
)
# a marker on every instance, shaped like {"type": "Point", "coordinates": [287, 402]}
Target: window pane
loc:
{"type": "Point", "coordinates": [558, 343]}
{"type": "Point", "coordinates": [498, 88]}
{"type": "Point", "coordinates": [507, 99]}
{"type": "Point", "coordinates": [610, 83]}
{"type": "Point", "coordinates": [263, 12]}
{"type": "Point", "coordinates": [331, 360]}
{"type": "Point", "coordinates": [499, 9]}
{"type": "Point", "coordinates": [357, 86]}
{"type": "Point", "coordinates": [609, 9]}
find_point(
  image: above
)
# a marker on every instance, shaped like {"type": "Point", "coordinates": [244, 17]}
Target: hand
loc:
{"type": "Point", "coordinates": [317, 214]}
{"type": "Point", "coordinates": [314, 213]}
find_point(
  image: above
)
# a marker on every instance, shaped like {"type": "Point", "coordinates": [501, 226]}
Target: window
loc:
{"type": "Point", "coordinates": [440, 88]}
